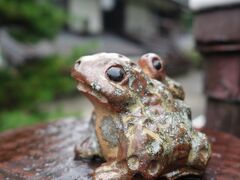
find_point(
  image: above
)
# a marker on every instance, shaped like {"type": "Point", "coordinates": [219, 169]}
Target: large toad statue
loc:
{"type": "Point", "coordinates": [138, 126]}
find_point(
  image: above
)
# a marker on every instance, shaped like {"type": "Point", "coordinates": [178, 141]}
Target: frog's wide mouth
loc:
{"type": "Point", "coordinates": [83, 86]}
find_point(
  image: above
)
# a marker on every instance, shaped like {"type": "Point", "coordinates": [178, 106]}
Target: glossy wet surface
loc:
{"type": "Point", "coordinates": [46, 152]}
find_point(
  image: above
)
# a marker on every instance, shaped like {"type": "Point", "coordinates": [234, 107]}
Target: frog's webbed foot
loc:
{"type": "Point", "coordinates": [112, 170]}
{"type": "Point", "coordinates": [183, 172]}
{"type": "Point", "coordinates": [88, 148]}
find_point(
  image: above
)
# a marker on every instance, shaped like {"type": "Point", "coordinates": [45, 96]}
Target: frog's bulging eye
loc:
{"type": "Point", "coordinates": [157, 63]}
{"type": "Point", "coordinates": [115, 73]}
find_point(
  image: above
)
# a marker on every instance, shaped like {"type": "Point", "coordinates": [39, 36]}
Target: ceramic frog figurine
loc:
{"type": "Point", "coordinates": [140, 128]}
{"type": "Point", "coordinates": [154, 67]}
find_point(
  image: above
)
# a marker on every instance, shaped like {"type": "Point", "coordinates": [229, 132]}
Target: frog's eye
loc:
{"type": "Point", "coordinates": [133, 64]}
{"type": "Point", "coordinates": [115, 73]}
{"type": "Point", "coordinates": [157, 63]}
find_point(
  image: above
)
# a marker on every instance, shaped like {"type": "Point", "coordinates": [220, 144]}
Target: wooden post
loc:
{"type": "Point", "coordinates": [217, 33]}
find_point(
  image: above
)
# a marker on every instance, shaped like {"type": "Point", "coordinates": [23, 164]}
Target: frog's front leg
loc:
{"type": "Point", "coordinates": [89, 147]}
{"type": "Point", "coordinates": [113, 170]}
{"type": "Point", "coordinates": [200, 152]}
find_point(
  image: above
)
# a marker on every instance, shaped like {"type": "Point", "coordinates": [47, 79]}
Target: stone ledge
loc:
{"type": "Point", "coordinates": [46, 151]}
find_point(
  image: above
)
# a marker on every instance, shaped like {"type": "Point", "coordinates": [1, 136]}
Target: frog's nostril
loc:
{"type": "Point", "coordinates": [78, 62]}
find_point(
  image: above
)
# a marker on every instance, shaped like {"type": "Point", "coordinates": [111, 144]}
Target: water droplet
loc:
{"type": "Point", "coordinates": [38, 170]}
{"type": "Point", "coordinates": [27, 168]}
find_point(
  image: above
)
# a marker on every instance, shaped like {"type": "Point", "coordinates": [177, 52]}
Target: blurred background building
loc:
{"type": "Point", "coordinates": [130, 27]}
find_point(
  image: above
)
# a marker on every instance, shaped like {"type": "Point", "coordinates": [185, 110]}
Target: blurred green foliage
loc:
{"type": "Point", "coordinates": [22, 117]}
{"type": "Point", "coordinates": [35, 82]}
{"type": "Point", "coordinates": [195, 58]}
{"type": "Point", "coordinates": [17, 118]}
{"type": "Point", "coordinates": [25, 88]}
{"type": "Point", "coordinates": [187, 20]}
{"type": "Point", "coordinates": [31, 20]}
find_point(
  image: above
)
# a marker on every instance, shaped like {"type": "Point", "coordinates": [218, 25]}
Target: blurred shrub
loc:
{"type": "Point", "coordinates": [31, 20]}
{"type": "Point", "coordinates": [186, 20]}
{"type": "Point", "coordinates": [195, 58]}
{"type": "Point", "coordinates": [39, 81]}
{"type": "Point", "coordinates": [36, 82]}
{"type": "Point", "coordinates": [19, 118]}
{"type": "Point", "coordinates": [15, 119]}
{"type": "Point", "coordinates": [23, 89]}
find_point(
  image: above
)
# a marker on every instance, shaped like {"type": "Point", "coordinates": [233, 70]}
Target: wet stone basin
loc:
{"type": "Point", "coordinates": [46, 151]}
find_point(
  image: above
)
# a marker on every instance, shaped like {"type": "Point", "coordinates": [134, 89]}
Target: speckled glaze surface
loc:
{"type": "Point", "coordinates": [138, 125]}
